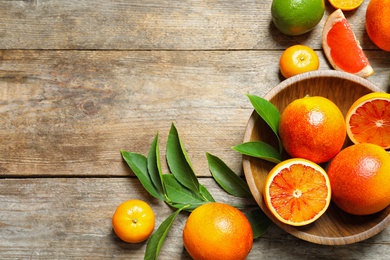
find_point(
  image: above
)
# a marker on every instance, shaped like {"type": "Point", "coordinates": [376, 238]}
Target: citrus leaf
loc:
{"type": "Point", "coordinates": [206, 194]}
{"type": "Point", "coordinates": [259, 222]}
{"type": "Point", "coordinates": [157, 239]}
{"type": "Point", "coordinates": [226, 178]}
{"type": "Point", "coordinates": [268, 112]}
{"type": "Point", "coordinates": [154, 165]}
{"type": "Point", "coordinates": [178, 193]}
{"type": "Point", "coordinates": [179, 163]}
{"type": "Point", "coordinates": [138, 164]}
{"type": "Point", "coordinates": [189, 207]}
{"type": "Point", "coordinates": [259, 149]}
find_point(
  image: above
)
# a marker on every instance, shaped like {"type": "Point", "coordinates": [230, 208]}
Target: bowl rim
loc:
{"type": "Point", "coordinates": [250, 179]}
{"type": "Point", "coordinates": [321, 73]}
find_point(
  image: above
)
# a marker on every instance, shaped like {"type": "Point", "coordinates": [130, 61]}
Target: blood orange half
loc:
{"type": "Point", "coordinates": [297, 191]}
{"type": "Point", "coordinates": [368, 120]}
{"type": "Point", "coordinates": [341, 47]}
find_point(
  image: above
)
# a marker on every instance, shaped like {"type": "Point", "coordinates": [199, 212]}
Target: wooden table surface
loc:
{"type": "Point", "coordinates": [81, 80]}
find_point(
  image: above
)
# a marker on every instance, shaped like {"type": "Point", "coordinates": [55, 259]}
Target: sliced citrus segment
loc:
{"type": "Point", "coordinates": [297, 191]}
{"type": "Point", "coordinates": [346, 5]}
{"type": "Point", "coordinates": [341, 47]}
{"type": "Point", "coordinates": [368, 120]}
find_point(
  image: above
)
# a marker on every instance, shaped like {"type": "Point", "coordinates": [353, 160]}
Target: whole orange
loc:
{"type": "Point", "coordinates": [217, 231]}
{"type": "Point", "coordinates": [378, 23]}
{"type": "Point", "coordinates": [298, 59]}
{"type": "Point", "coordinates": [133, 221]}
{"type": "Point", "coordinates": [360, 179]}
{"type": "Point", "coordinates": [312, 128]}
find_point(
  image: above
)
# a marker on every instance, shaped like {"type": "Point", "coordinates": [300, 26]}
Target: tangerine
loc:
{"type": "Point", "coordinates": [133, 221]}
{"type": "Point", "coordinates": [341, 47]}
{"type": "Point", "coordinates": [312, 128]}
{"type": "Point", "coordinates": [217, 231]}
{"type": "Point", "coordinates": [360, 179]}
{"type": "Point", "coordinates": [378, 23]}
{"type": "Point", "coordinates": [368, 120]}
{"type": "Point", "coordinates": [298, 59]}
{"type": "Point", "coordinates": [297, 191]}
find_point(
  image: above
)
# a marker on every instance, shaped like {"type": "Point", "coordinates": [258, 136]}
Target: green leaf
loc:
{"type": "Point", "coordinates": [259, 222]}
{"type": "Point", "coordinates": [157, 239]}
{"type": "Point", "coordinates": [189, 208]}
{"type": "Point", "coordinates": [227, 179]}
{"type": "Point", "coordinates": [178, 193]}
{"type": "Point", "coordinates": [179, 163]}
{"type": "Point", "coordinates": [206, 194]}
{"type": "Point", "coordinates": [268, 112]}
{"type": "Point", "coordinates": [260, 150]}
{"type": "Point", "coordinates": [138, 164]}
{"type": "Point", "coordinates": [154, 165]}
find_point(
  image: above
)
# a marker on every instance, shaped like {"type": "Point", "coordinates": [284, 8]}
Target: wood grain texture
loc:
{"type": "Point", "coordinates": [81, 80]}
{"type": "Point", "coordinates": [67, 218]}
{"type": "Point", "coordinates": [71, 112]}
{"type": "Point", "coordinates": [153, 25]}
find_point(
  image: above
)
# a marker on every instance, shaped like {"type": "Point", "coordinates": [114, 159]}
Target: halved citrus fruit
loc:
{"type": "Point", "coordinates": [297, 191]}
{"type": "Point", "coordinates": [346, 5]}
{"type": "Point", "coordinates": [341, 47]}
{"type": "Point", "coordinates": [368, 120]}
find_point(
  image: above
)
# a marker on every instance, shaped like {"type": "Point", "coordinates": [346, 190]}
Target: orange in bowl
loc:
{"type": "Point", "coordinates": [313, 128]}
{"type": "Point", "coordinates": [334, 227]}
{"type": "Point", "coordinates": [360, 179]}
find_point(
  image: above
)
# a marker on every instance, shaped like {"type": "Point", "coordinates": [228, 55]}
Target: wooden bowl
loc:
{"type": "Point", "coordinates": [335, 227]}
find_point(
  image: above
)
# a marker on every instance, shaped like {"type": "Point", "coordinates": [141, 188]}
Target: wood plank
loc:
{"type": "Point", "coordinates": [71, 112]}
{"type": "Point", "coordinates": [56, 218]}
{"type": "Point", "coordinates": [153, 25]}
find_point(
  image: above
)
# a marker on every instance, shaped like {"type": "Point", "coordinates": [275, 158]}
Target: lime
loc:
{"type": "Point", "coordinates": [295, 17]}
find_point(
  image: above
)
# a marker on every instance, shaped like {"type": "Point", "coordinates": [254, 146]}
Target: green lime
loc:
{"type": "Point", "coordinates": [295, 17]}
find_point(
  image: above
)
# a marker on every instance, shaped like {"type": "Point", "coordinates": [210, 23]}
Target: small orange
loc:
{"type": "Point", "coordinates": [378, 23]}
{"type": "Point", "coordinates": [217, 231]}
{"type": "Point", "coordinates": [298, 59]}
{"type": "Point", "coordinates": [368, 120]}
{"type": "Point", "coordinates": [346, 5]}
{"type": "Point", "coordinates": [360, 179]}
{"type": "Point", "coordinates": [297, 191]}
{"type": "Point", "coordinates": [342, 49]}
{"type": "Point", "coordinates": [133, 221]}
{"type": "Point", "coordinates": [312, 128]}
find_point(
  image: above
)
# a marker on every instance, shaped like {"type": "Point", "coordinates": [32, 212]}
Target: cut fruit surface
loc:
{"type": "Point", "coordinates": [368, 120]}
{"type": "Point", "coordinates": [346, 5]}
{"type": "Point", "coordinates": [341, 47]}
{"type": "Point", "coordinates": [297, 191]}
